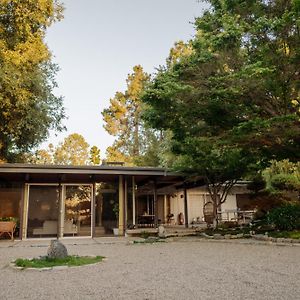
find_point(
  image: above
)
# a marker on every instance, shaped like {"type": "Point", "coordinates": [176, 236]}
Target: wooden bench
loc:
{"type": "Point", "coordinates": [7, 227]}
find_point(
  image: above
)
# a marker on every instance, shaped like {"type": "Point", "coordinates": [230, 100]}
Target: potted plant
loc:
{"type": "Point", "coordinates": [116, 212]}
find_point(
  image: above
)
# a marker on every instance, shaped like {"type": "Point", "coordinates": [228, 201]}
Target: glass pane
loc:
{"type": "Point", "coordinates": [106, 211]}
{"type": "Point", "coordinates": [10, 205]}
{"type": "Point", "coordinates": [43, 211]}
{"type": "Point", "coordinates": [78, 210]}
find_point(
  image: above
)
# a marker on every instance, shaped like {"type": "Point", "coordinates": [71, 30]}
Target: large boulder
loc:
{"type": "Point", "coordinates": [57, 250]}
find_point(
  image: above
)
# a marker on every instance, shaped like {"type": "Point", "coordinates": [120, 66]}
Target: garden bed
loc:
{"type": "Point", "coordinates": [46, 262]}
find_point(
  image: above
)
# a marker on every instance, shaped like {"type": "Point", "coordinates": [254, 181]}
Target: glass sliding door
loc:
{"type": "Point", "coordinates": [43, 211]}
{"type": "Point", "coordinates": [78, 213]}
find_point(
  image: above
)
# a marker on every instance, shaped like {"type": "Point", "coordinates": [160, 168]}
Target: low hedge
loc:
{"type": "Point", "coordinates": [286, 217]}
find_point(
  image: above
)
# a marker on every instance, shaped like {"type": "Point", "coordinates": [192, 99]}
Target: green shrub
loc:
{"type": "Point", "coordinates": [282, 175]}
{"type": "Point", "coordinates": [286, 217]}
{"type": "Point", "coordinates": [145, 234]}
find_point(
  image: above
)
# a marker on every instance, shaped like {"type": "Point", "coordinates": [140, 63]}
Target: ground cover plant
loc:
{"type": "Point", "coordinates": [221, 231]}
{"type": "Point", "coordinates": [285, 234]}
{"type": "Point", "coordinates": [46, 262]}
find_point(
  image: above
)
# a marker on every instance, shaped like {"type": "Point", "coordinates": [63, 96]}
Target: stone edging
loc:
{"type": "Point", "coordinates": [258, 237]}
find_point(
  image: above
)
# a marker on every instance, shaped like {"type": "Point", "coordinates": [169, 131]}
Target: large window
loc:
{"type": "Point", "coordinates": [78, 216]}
{"type": "Point", "coordinates": [107, 208]}
{"type": "Point", "coordinates": [43, 211]}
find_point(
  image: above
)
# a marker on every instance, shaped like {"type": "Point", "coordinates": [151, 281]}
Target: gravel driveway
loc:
{"type": "Point", "coordinates": [182, 269]}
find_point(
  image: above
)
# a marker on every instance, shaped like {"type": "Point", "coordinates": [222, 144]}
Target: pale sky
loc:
{"type": "Point", "coordinates": [97, 44]}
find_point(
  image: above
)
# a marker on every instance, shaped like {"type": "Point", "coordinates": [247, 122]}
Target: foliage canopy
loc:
{"type": "Point", "coordinates": [28, 106]}
{"type": "Point", "coordinates": [232, 104]}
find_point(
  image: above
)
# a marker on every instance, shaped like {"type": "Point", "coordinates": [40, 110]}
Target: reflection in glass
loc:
{"type": "Point", "coordinates": [43, 211]}
{"type": "Point", "coordinates": [78, 210]}
{"type": "Point", "coordinates": [106, 208]}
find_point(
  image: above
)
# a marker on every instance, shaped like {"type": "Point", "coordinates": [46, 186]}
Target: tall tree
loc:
{"type": "Point", "coordinates": [28, 107]}
{"type": "Point", "coordinates": [123, 120]}
{"type": "Point", "coordinates": [232, 104]}
{"type": "Point", "coordinates": [178, 52]}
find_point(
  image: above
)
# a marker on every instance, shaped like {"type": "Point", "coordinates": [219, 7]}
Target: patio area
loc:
{"type": "Point", "coordinates": [180, 269]}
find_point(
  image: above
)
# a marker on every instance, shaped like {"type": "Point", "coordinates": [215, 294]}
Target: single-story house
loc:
{"type": "Point", "coordinates": [88, 201]}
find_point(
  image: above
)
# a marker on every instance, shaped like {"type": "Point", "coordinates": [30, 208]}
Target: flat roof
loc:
{"type": "Point", "coordinates": [83, 174]}
{"type": "Point", "coordinates": [68, 169]}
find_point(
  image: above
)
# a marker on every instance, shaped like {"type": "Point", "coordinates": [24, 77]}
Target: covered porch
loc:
{"type": "Point", "coordinates": [83, 201]}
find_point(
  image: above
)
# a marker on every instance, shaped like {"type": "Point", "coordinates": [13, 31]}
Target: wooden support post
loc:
{"type": "Point", "coordinates": [121, 205]}
{"type": "Point", "coordinates": [61, 214]}
{"type": "Point", "coordinates": [93, 205]}
{"type": "Point", "coordinates": [21, 211]}
{"type": "Point", "coordinates": [186, 215]}
{"type": "Point", "coordinates": [155, 210]}
{"type": "Point", "coordinates": [133, 202]}
{"type": "Point", "coordinates": [165, 209]}
{"type": "Point", "coordinates": [125, 202]}
{"type": "Point", "coordinates": [25, 211]}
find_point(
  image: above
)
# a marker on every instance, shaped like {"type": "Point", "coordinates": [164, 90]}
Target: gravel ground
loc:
{"type": "Point", "coordinates": [182, 269]}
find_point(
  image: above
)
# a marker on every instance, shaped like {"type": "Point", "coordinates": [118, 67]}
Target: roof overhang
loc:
{"type": "Point", "coordinates": [84, 174]}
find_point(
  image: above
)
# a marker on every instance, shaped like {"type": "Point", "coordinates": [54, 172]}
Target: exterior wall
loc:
{"type": "Point", "coordinates": [229, 208]}
{"type": "Point", "coordinates": [177, 205]}
{"type": "Point", "coordinates": [195, 207]}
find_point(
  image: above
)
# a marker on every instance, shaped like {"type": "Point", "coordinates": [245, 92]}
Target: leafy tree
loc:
{"type": "Point", "coordinates": [95, 156]}
{"type": "Point", "coordinates": [282, 176]}
{"type": "Point", "coordinates": [232, 104]}
{"type": "Point", "coordinates": [73, 151]}
{"type": "Point", "coordinates": [41, 157]}
{"type": "Point", "coordinates": [28, 107]}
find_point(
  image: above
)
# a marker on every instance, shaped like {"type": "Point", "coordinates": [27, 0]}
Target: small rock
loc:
{"type": "Point", "coordinates": [57, 250]}
{"type": "Point", "coordinates": [206, 235]}
{"type": "Point", "coordinates": [227, 236]}
{"type": "Point", "coordinates": [161, 231]}
{"type": "Point", "coordinates": [279, 240]}
{"type": "Point", "coordinates": [240, 235]}
{"type": "Point", "coordinates": [218, 236]}
{"type": "Point", "coordinates": [261, 237]}
{"type": "Point", "coordinates": [288, 240]}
